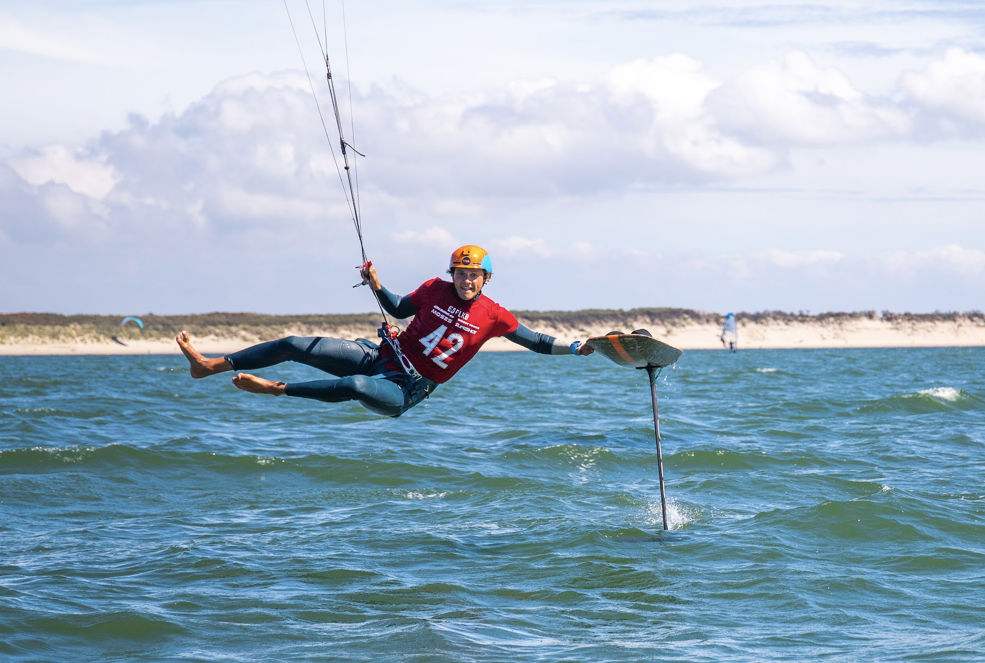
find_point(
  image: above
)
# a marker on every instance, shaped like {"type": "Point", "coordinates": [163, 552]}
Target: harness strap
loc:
{"type": "Point", "coordinates": [389, 335]}
{"type": "Point", "coordinates": [416, 387]}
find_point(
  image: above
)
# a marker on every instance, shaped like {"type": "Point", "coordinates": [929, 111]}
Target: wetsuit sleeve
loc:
{"type": "Point", "coordinates": [396, 305]}
{"type": "Point", "coordinates": [542, 343]}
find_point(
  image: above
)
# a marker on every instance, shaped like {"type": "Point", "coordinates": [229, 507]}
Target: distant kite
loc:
{"type": "Point", "coordinates": [123, 323]}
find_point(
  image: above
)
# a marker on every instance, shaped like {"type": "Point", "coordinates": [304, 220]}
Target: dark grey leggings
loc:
{"type": "Point", "coordinates": [354, 364]}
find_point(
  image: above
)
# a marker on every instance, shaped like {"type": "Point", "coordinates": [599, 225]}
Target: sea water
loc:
{"type": "Point", "coordinates": [823, 505]}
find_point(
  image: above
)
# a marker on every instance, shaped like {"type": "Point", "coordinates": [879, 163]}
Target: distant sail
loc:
{"type": "Point", "coordinates": [130, 318]}
{"type": "Point", "coordinates": [730, 335]}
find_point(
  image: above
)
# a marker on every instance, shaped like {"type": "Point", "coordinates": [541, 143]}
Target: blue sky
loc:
{"type": "Point", "coordinates": [168, 156]}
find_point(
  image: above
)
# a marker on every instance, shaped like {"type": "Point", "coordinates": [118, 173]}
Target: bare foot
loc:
{"type": "Point", "coordinates": [255, 385]}
{"type": "Point", "coordinates": [199, 365]}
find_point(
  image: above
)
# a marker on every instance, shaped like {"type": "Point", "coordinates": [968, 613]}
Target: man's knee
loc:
{"type": "Point", "coordinates": [358, 385]}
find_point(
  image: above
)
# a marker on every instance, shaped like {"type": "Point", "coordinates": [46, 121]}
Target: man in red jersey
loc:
{"type": "Point", "coordinates": [451, 321]}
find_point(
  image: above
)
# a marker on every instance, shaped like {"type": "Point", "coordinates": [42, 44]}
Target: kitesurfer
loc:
{"type": "Point", "coordinates": [451, 321]}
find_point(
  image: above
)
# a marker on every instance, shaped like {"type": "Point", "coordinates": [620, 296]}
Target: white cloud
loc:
{"type": "Point", "coordinates": [559, 138]}
{"type": "Point", "coordinates": [795, 101]}
{"type": "Point", "coordinates": [16, 36]}
{"type": "Point", "coordinates": [434, 236]}
{"type": "Point", "coordinates": [253, 149]}
{"type": "Point", "coordinates": [244, 84]}
{"type": "Point", "coordinates": [677, 89]}
{"type": "Point", "coordinates": [252, 154]}
{"type": "Point", "coordinates": [261, 167]}
{"type": "Point", "coordinates": [949, 258]}
{"type": "Point", "coordinates": [583, 250]}
{"type": "Point", "coordinates": [515, 246]}
{"type": "Point", "coordinates": [675, 84]}
{"type": "Point", "coordinates": [276, 158]}
{"type": "Point", "coordinates": [90, 176]}
{"type": "Point", "coordinates": [457, 209]}
{"type": "Point", "coordinates": [797, 259]}
{"type": "Point", "coordinates": [66, 208]}
{"type": "Point", "coordinates": [953, 85]}
{"type": "Point", "coordinates": [239, 203]}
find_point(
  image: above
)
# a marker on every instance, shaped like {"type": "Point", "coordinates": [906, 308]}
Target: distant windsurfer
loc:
{"type": "Point", "coordinates": [730, 334]}
{"type": "Point", "coordinates": [451, 321]}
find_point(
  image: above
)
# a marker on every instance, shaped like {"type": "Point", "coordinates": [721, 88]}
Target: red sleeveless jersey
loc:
{"type": "Point", "coordinates": [446, 331]}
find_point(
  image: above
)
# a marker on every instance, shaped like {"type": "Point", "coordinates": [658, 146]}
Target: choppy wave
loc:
{"type": "Point", "coordinates": [947, 394]}
{"type": "Point", "coordinates": [936, 399]}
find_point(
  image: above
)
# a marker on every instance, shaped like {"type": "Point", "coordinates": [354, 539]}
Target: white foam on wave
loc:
{"type": "Point", "coordinates": [416, 495]}
{"type": "Point", "coordinates": [949, 394]}
{"type": "Point", "coordinates": [766, 370]}
{"type": "Point", "coordinates": [36, 410]}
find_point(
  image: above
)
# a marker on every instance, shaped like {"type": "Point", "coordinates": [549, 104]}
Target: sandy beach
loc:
{"type": "Point", "coordinates": [841, 331]}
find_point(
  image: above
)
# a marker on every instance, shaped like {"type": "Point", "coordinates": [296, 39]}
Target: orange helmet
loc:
{"type": "Point", "coordinates": [470, 256]}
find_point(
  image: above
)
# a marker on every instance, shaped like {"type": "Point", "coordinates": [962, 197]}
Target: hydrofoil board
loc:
{"type": "Point", "coordinates": [638, 350]}
{"type": "Point", "coordinates": [641, 350]}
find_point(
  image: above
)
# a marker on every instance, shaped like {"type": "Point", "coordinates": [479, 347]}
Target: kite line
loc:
{"type": "Point", "coordinates": [347, 172]}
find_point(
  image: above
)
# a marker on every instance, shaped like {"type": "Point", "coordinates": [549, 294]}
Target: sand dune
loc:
{"type": "Point", "coordinates": [687, 330]}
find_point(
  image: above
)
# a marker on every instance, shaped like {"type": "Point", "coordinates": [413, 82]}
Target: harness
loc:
{"type": "Point", "coordinates": [415, 386]}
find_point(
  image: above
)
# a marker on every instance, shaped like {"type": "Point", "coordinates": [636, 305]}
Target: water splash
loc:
{"type": "Point", "coordinates": [678, 516]}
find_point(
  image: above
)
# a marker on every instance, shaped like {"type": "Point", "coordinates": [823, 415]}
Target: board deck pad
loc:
{"type": "Point", "coordinates": [636, 350]}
